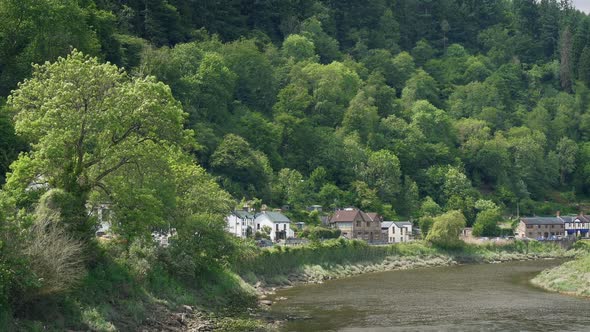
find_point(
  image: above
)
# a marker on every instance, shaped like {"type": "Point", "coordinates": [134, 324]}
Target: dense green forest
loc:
{"type": "Point", "coordinates": [180, 108]}
{"type": "Point", "coordinates": [376, 105]}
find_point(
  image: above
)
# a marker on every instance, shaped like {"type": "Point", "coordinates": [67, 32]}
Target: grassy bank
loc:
{"type": "Point", "coordinates": [572, 277]}
{"type": "Point", "coordinates": [332, 259]}
{"type": "Point", "coordinates": [136, 294]}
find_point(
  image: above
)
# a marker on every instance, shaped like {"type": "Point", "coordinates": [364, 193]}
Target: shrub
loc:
{"type": "Point", "coordinates": [55, 258]}
{"type": "Point", "coordinates": [139, 258]}
{"type": "Point", "coordinates": [317, 233]}
{"type": "Point", "coordinates": [446, 229]}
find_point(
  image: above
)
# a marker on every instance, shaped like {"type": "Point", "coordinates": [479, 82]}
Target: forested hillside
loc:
{"type": "Point", "coordinates": [169, 112]}
{"type": "Point", "coordinates": [375, 104]}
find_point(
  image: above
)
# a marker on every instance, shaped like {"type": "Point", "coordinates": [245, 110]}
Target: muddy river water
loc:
{"type": "Point", "coordinates": [485, 297]}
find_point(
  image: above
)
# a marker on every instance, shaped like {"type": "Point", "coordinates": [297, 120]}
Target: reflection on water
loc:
{"type": "Point", "coordinates": [487, 297]}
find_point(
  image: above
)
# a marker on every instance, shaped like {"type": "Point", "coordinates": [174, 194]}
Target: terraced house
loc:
{"type": "Point", "coordinates": [578, 226]}
{"type": "Point", "coordinates": [356, 224]}
{"type": "Point", "coordinates": [541, 227]}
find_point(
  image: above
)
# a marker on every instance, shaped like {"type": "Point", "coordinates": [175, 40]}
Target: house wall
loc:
{"type": "Point", "coordinates": [366, 230]}
{"type": "Point", "coordinates": [534, 231]}
{"type": "Point", "coordinates": [233, 225]}
{"type": "Point", "coordinates": [577, 228]}
{"type": "Point", "coordinates": [238, 226]}
{"type": "Point", "coordinates": [399, 234]}
{"type": "Point", "coordinates": [273, 226]}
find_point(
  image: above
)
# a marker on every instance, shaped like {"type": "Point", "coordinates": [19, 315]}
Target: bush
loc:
{"type": "Point", "coordinates": [139, 258]}
{"type": "Point", "coordinates": [446, 230]}
{"type": "Point", "coordinates": [54, 257]}
{"type": "Point", "coordinates": [317, 233]}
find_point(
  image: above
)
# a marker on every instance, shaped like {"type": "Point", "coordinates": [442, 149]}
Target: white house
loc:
{"type": "Point", "coordinates": [238, 223]}
{"type": "Point", "coordinates": [280, 225]}
{"type": "Point", "coordinates": [396, 231]}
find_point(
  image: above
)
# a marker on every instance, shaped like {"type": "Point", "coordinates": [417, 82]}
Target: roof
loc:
{"type": "Point", "coordinates": [386, 224]}
{"type": "Point", "coordinates": [401, 224]}
{"type": "Point", "coordinates": [542, 221]}
{"type": "Point", "coordinates": [273, 216]}
{"type": "Point", "coordinates": [344, 216]}
{"type": "Point", "coordinates": [244, 214]}
{"type": "Point", "coordinates": [374, 216]}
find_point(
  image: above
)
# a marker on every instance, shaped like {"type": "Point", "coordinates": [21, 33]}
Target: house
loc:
{"type": "Point", "coordinates": [577, 226]}
{"type": "Point", "coordinates": [280, 225]}
{"type": "Point", "coordinates": [240, 223]}
{"type": "Point", "coordinates": [356, 224]}
{"type": "Point", "coordinates": [103, 214]}
{"type": "Point", "coordinates": [314, 208]}
{"type": "Point", "coordinates": [541, 227]}
{"type": "Point", "coordinates": [396, 231]}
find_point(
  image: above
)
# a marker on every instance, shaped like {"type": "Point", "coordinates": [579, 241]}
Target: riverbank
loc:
{"type": "Point", "coordinates": [114, 298]}
{"type": "Point", "coordinates": [570, 278]}
{"type": "Point", "coordinates": [285, 267]}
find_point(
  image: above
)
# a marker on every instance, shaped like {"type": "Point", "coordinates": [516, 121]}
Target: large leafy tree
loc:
{"type": "Point", "coordinates": [88, 124]}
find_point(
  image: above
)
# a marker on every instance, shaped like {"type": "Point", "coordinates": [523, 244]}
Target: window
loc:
{"type": "Point", "coordinates": [358, 223]}
{"type": "Point", "coordinates": [284, 227]}
{"type": "Point", "coordinates": [552, 226]}
{"type": "Point", "coordinates": [277, 227]}
{"type": "Point", "coordinates": [529, 226]}
{"type": "Point", "coordinates": [368, 224]}
{"type": "Point", "coordinates": [257, 226]}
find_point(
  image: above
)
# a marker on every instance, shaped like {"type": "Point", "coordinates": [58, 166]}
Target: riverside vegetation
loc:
{"type": "Point", "coordinates": [171, 111]}
{"type": "Point", "coordinates": [571, 278]}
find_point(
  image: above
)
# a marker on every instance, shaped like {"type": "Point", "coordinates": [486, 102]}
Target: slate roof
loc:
{"type": "Point", "coordinates": [542, 221]}
{"type": "Point", "coordinates": [401, 224]}
{"type": "Point", "coordinates": [244, 214]}
{"type": "Point", "coordinates": [275, 217]}
{"type": "Point", "coordinates": [386, 224]}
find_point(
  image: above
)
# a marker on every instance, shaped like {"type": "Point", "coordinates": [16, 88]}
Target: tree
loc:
{"type": "Point", "coordinates": [382, 173]}
{"type": "Point", "coordinates": [565, 67]}
{"type": "Point", "coordinates": [567, 150]}
{"type": "Point", "coordinates": [486, 222]}
{"type": "Point", "coordinates": [36, 31]}
{"type": "Point", "coordinates": [420, 86]}
{"type": "Point", "coordinates": [247, 171]}
{"type": "Point", "coordinates": [298, 48]}
{"type": "Point", "coordinates": [361, 116]}
{"type": "Point", "coordinates": [87, 123]}
{"type": "Point", "coordinates": [584, 66]}
{"type": "Point", "coordinates": [446, 230]}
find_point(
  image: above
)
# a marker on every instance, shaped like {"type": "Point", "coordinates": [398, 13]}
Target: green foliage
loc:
{"type": "Point", "coordinates": [486, 223]}
{"type": "Point", "coordinates": [320, 233]}
{"type": "Point", "coordinates": [446, 229]}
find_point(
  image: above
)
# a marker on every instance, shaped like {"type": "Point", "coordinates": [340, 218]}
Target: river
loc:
{"type": "Point", "coordinates": [483, 297]}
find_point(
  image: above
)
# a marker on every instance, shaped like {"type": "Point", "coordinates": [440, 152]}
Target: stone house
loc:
{"type": "Point", "coordinates": [356, 224]}
{"type": "Point", "coordinates": [540, 227]}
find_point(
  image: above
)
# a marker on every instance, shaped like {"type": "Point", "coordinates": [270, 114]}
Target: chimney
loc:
{"type": "Point", "coordinates": [558, 213]}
